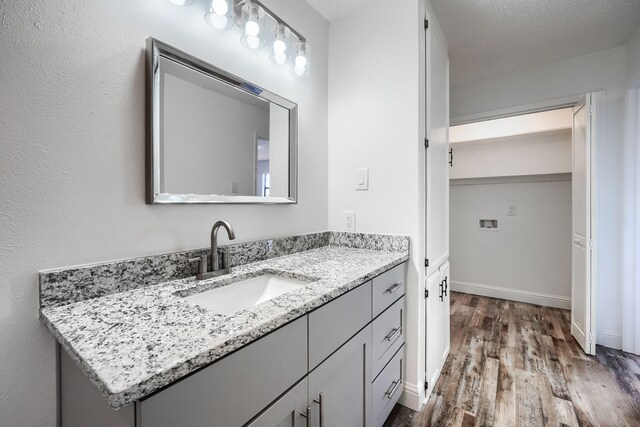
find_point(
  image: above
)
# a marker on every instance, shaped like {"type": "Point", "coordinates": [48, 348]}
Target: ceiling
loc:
{"type": "Point", "coordinates": [492, 37]}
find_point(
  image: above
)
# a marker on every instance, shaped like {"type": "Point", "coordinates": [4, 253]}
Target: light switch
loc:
{"type": "Point", "coordinates": [362, 179]}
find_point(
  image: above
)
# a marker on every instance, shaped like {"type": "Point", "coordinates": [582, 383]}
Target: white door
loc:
{"type": "Point", "coordinates": [434, 328]}
{"type": "Point", "coordinates": [437, 157]}
{"type": "Point", "coordinates": [582, 313]}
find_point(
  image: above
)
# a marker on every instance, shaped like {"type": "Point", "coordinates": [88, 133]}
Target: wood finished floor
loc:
{"type": "Point", "coordinates": [516, 364]}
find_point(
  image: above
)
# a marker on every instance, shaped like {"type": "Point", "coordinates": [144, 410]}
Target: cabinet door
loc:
{"type": "Point", "coordinates": [446, 310]}
{"type": "Point", "coordinates": [434, 328]}
{"type": "Point", "coordinates": [340, 387]}
{"type": "Point", "coordinates": [437, 155]}
{"type": "Point", "coordinates": [288, 411]}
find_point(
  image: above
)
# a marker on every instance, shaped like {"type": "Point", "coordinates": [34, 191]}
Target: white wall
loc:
{"type": "Point", "coordinates": [560, 81]}
{"type": "Point", "coordinates": [376, 121]}
{"type": "Point", "coordinates": [528, 258]}
{"type": "Point", "coordinates": [72, 143]}
{"type": "Point", "coordinates": [541, 153]}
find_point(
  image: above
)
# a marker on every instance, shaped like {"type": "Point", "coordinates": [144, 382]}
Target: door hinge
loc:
{"type": "Point", "coordinates": [426, 143]}
{"type": "Point", "coordinates": [426, 293]}
{"type": "Point", "coordinates": [426, 24]}
{"type": "Point", "coordinates": [590, 110]}
{"type": "Point", "coordinates": [590, 337]}
{"type": "Point", "coordinates": [426, 262]}
{"type": "Point", "coordinates": [426, 385]}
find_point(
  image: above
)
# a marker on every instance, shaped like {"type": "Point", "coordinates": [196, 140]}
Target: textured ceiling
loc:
{"type": "Point", "coordinates": [491, 37]}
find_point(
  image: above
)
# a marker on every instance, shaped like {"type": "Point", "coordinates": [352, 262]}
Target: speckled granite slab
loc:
{"type": "Point", "coordinates": [73, 284]}
{"type": "Point", "coordinates": [134, 342]}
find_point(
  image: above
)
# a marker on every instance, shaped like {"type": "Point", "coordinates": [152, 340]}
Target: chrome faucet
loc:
{"type": "Point", "coordinates": [214, 245]}
{"type": "Point", "coordinates": [215, 262]}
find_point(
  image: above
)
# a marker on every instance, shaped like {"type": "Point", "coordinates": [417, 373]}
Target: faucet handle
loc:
{"type": "Point", "coordinates": [202, 263]}
{"type": "Point", "coordinates": [225, 259]}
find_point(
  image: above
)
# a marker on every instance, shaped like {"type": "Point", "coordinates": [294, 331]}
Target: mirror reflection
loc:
{"type": "Point", "coordinates": [219, 139]}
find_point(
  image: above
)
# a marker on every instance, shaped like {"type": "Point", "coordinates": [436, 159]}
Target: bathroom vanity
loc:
{"type": "Point", "coordinates": [324, 347]}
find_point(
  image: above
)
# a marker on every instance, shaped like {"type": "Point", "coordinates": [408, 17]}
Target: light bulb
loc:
{"type": "Point", "coordinates": [220, 7]}
{"type": "Point", "coordinates": [279, 46]}
{"type": "Point", "coordinates": [300, 69]}
{"type": "Point", "coordinates": [251, 28]}
{"type": "Point", "coordinates": [218, 21]}
{"type": "Point", "coordinates": [301, 61]}
{"type": "Point", "coordinates": [253, 42]}
{"type": "Point", "coordinates": [179, 2]}
{"type": "Point", "coordinates": [280, 57]}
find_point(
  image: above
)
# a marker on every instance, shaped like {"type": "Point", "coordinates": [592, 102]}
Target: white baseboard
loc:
{"type": "Point", "coordinates": [612, 341]}
{"type": "Point", "coordinates": [412, 397]}
{"type": "Point", "coordinates": [512, 294]}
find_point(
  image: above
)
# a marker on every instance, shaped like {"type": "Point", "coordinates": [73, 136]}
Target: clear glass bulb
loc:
{"type": "Point", "coordinates": [218, 21]}
{"type": "Point", "coordinates": [279, 46]}
{"type": "Point", "coordinates": [280, 57]}
{"type": "Point", "coordinates": [253, 42]}
{"type": "Point", "coordinates": [301, 61]}
{"type": "Point", "coordinates": [220, 7]}
{"type": "Point", "coordinates": [251, 29]}
{"type": "Point", "coordinates": [300, 69]}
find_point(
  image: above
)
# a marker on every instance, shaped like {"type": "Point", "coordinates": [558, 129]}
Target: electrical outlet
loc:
{"type": "Point", "coordinates": [512, 210]}
{"type": "Point", "coordinates": [349, 221]}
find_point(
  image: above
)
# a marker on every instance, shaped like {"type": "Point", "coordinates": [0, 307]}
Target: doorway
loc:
{"type": "Point", "coordinates": [521, 210]}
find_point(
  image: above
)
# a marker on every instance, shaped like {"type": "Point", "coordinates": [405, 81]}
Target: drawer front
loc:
{"type": "Point", "coordinates": [388, 335]}
{"type": "Point", "coordinates": [387, 288]}
{"type": "Point", "coordinates": [387, 388]}
{"type": "Point", "coordinates": [335, 323]}
{"type": "Point", "coordinates": [233, 390]}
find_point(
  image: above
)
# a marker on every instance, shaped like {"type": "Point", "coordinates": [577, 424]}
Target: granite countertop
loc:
{"type": "Point", "coordinates": [135, 342]}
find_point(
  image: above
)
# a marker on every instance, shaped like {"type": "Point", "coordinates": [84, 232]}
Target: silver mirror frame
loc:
{"type": "Point", "coordinates": [155, 50]}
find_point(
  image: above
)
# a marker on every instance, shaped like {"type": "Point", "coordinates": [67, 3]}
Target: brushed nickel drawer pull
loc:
{"type": "Point", "coordinates": [394, 386]}
{"type": "Point", "coordinates": [307, 415]}
{"type": "Point", "coordinates": [393, 333]}
{"type": "Point", "coordinates": [320, 401]}
{"type": "Point", "coordinates": [393, 288]}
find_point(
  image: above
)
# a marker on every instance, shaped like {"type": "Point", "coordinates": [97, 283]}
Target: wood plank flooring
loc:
{"type": "Point", "coordinates": [516, 364]}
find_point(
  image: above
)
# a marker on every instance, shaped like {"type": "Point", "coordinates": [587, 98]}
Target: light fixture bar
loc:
{"type": "Point", "coordinates": [275, 18]}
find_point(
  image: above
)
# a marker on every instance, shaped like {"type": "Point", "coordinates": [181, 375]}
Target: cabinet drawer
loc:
{"type": "Point", "coordinates": [333, 324]}
{"type": "Point", "coordinates": [233, 390]}
{"type": "Point", "coordinates": [387, 288]}
{"type": "Point", "coordinates": [388, 335]}
{"type": "Point", "coordinates": [387, 388]}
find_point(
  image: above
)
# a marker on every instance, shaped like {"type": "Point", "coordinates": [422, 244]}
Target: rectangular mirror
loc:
{"type": "Point", "coordinates": [214, 137]}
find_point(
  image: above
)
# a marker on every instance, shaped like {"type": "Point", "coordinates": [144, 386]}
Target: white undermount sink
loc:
{"type": "Point", "coordinates": [237, 296]}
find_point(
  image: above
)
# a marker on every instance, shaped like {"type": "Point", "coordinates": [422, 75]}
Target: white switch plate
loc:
{"type": "Point", "coordinates": [362, 179]}
{"type": "Point", "coordinates": [512, 210]}
{"type": "Point", "coordinates": [234, 187]}
{"type": "Point", "coordinates": [349, 221]}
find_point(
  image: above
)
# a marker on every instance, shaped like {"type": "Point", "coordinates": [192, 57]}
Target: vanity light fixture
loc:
{"type": "Point", "coordinates": [256, 22]}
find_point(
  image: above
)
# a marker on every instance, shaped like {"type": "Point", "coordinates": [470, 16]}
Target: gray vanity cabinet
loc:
{"type": "Point", "coordinates": [340, 388]}
{"type": "Point", "coordinates": [231, 391]}
{"type": "Point", "coordinates": [290, 410]}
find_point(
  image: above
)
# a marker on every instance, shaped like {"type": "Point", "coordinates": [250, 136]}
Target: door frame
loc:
{"type": "Point", "coordinates": [631, 234]}
{"type": "Point", "coordinates": [598, 103]}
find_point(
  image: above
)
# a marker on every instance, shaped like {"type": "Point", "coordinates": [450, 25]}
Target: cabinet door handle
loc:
{"type": "Point", "coordinates": [320, 402]}
{"type": "Point", "coordinates": [393, 288]}
{"type": "Point", "coordinates": [393, 388]}
{"type": "Point", "coordinates": [307, 415]}
{"type": "Point", "coordinates": [451, 157]}
{"type": "Point", "coordinates": [393, 333]}
{"type": "Point", "coordinates": [446, 284]}
{"type": "Point", "coordinates": [441, 291]}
